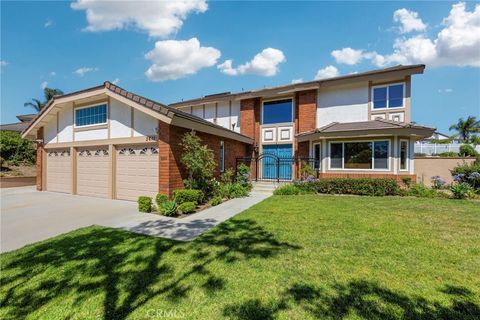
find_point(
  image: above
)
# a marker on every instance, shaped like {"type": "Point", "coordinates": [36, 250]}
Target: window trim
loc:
{"type": "Point", "coordinates": [319, 144]}
{"type": "Point", "coordinates": [400, 155]}
{"type": "Point", "coordinates": [388, 169]}
{"type": "Point", "coordinates": [89, 106]}
{"type": "Point", "coordinates": [222, 156]}
{"type": "Point", "coordinates": [388, 94]}
{"type": "Point", "coordinates": [279, 123]}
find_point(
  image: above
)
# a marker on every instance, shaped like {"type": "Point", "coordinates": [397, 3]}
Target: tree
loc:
{"type": "Point", "coordinates": [15, 149]}
{"type": "Point", "coordinates": [48, 93]}
{"type": "Point", "coordinates": [466, 127]}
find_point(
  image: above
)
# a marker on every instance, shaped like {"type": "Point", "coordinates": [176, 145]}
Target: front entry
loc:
{"type": "Point", "coordinates": [277, 161]}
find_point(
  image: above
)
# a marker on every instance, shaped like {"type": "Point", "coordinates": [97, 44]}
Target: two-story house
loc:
{"type": "Point", "coordinates": [108, 142]}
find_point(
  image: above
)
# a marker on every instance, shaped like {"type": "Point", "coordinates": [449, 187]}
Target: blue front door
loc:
{"type": "Point", "coordinates": [277, 160]}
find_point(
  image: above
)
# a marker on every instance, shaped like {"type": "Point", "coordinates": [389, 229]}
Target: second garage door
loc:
{"type": "Point", "coordinates": [93, 172]}
{"type": "Point", "coordinates": [136, 172]}
{"type": "Point", "coordinates": [59, 171]}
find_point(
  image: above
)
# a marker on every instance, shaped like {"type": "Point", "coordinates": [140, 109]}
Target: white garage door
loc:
{"type": "Point", "coordinates": [93, 167]}
{"type": "Point", "coordinates": [59, 171]}
{"type": "Point", "coordinates": [136, 172]}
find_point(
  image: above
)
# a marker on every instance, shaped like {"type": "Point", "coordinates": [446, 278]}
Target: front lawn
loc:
{"type": "Point", "coordinates": [291, 257]}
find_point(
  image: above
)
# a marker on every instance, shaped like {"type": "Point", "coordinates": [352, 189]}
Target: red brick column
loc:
{"type": "Point", "coordinates": [169, 176]}
{"type": "Point", "coordinates": [250, 126]}
{"type": "Point", "coordinates": [39, 160]}
{"type": "Point", "coordinates": [307, 110]}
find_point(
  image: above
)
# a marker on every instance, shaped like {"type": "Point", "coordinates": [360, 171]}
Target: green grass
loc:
{"type": "Point", "coordinates": [291, 257]}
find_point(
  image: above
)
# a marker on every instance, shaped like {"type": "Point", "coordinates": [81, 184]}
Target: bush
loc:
{"type": "Point", "coordinates": [467, 150]}
{"type": "Point", "coordinates": [462, 191]}
{"type": "Point", "coordinates": [469, 174]}
{"type": "Point", "coordinates": [232, 190]}
{"type": "Point", "coordinates": [188, 195]}
{"type": "Point", "coordinates": [160, 199]}
{"type": "Point", "coordinates": [144, 204]}
{"type": "Point", "coordinates": [419, 190]}
{"type": "Point", "coordinates": [448, 154]}
{"type": "Point", "coordinates": [438, 182]}
{"type": "Point", "coordinates": [169, 208]}
{"type": "Point", "coordinates": [227, 176]}
{"type": "Point", "coordinates": [407, 181]}
{"type": "Point", "coordinates": [287, 190]}
{"type": "Point", "coordinates": [307, 170]}
{"type": "Point", "coordinates": [187, 207]}
{"type": "Point", "coordinates": [243, 176]}
{"type": "Point", "coordinates": [216, 201]}
{"type": "Point", "coordinates": [363, 186]}
{"type": "Point", "coordinates": [15, 149]}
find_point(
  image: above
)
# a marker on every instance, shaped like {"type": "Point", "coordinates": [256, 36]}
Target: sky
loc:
{"type": "Point", "coordinates": [169, 51]}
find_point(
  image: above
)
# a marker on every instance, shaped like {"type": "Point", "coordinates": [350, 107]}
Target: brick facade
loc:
{"type": "Point", "coordinates": [172, 172]}
{"type": "Point", "coordinates": [39, 160]}
{"type": "Point", "coordinates": [307, 110]}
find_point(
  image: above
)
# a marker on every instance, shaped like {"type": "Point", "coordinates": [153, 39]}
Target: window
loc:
{"type": "Point", "coordinates": [91, 115]}
{"type": "Point", "coordinates": [403, 155]}
{"type": "Point", "coordinates": [222, 157]}
{"type": "Point", "coordinates": [388, 96]}
{"type": "Point", "coordinates": [316, 156]}
{"type": "Point", "coordinates": [279, 111]}
{"type": "Point", "coordinates": [369, 155]}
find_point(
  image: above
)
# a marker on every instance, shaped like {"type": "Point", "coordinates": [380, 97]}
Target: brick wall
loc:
{"type": "Point", "coordinates": [39, 160]}
{"type": "Point", "coordinates": [306, 110]}
{"type": "Point", "coordinates": [172, 172]}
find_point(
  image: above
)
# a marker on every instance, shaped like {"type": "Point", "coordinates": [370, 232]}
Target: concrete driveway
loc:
{"type": "Point", "coordinates": [28, 216]}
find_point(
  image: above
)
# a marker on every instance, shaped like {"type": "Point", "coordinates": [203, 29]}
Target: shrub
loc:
{"type": "Point", "coordinates": [421, 191]}
{"type": "Point", "coordinates": [216, 201]}
{"type": "Point", "coordinates": [187, 207]}
{"type": "Point", "coordinates": [307, 170]}
{"type": "Point", "coordinates": [438, 182]}
{"type": "Point", "coordinates": [243, 176]}
{"type": "Point", "coordinates": [462, 191]}
{"type": "Point", "coordinates": [160, 199]}
{"type": "Point", "coordinates": [144, 204]}
{"type": "Point", "coordinates": [287, 190]}
{"type": "Point", "coordinates": [187, 195]}
{"type": "Point", "coordinates": [15, 149]}
{"type": "Point", "coordinates": [449, 154]}
{"type": "Point", "coordinates": [407, 181]}
{"type": "Point", "coordinates": [227, 176]}
{"type": "Point", "coordinates": [306, 186]}
{"type": "Point", "coordinates": [467, 150]}
{"type": "Point", "coordinates": [232, 190]}
{"type": "Point", "coordinates": [469, 174]}
{"type": "Point", "coordinates": [361, 186]}
{"type": "Point", "coordinates": [169, 208]}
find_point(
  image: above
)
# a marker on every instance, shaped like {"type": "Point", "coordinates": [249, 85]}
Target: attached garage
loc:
{"type": "Point", "coordinates": [59, 170]}
{"type": "Point", "coordinates": [93, 172]}
{"type": "Point", "coordinates": [136, 171]}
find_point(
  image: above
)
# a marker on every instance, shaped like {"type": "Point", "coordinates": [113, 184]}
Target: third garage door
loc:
{"type": "Point", "coordinates": [93, 172]}
{"type": "Point", "coordinates": [136, 172]}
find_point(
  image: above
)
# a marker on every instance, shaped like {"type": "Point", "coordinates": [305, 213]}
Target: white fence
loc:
{"type": "Point", "coordinates": [435, 148]}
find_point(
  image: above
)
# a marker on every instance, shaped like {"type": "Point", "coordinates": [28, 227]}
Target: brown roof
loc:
{"type": "Point", "coordinates": [26, 117]}
{"type": "Point", "coordinates": [298, 86]}
{"type": "Point", "coordinates": [17, 127]}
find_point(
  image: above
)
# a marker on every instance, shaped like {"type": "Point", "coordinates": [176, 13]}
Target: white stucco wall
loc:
{"type": "Point", "coordinates": [210, 112]}
{"type": "Point", "coordinates": [65, 124]}
{"type": "Point", "coordinates": [223, 114]}
{"type": "Point", "coordinates": [120, 119]}
{"type": "Point", "coordinates": [197, 111]}
{"type": "Point", "coordinates": [95, 134]}
{"type": "Point", "coordinates": [235, 115]}
{"type": "Point", "coordinates": [50, 131]}
{"type": "Point", "coordinates": [346, 103]}
{"type": "Point", "coordinates": [144, 125]}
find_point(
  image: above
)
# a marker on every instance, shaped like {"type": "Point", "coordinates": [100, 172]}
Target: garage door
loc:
{"type": "Point", "coordinates": [93, 166]}
{"type": "Point", "coordinates": [59, 171]}
{"type": "Point", "coordinates": [136, 172]}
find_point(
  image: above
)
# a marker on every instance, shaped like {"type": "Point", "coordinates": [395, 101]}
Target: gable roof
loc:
{"type": "Point", "coordinates": [154, 108]}
{"type": "Point", "coordinates": [309, 85]}
{"type": "Point", "coordinates": [377, 126]}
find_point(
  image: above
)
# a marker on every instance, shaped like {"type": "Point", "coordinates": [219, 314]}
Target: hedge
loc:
{"type": "Point", "coordinates": [187, 195]}
{"type": "Point", "coordinates": [187, 207]}
{"type": "Point", "coordinates": [360, 186]}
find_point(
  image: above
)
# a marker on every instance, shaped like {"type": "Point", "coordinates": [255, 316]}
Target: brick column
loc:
{"type": "Point", "coordinates": [305, 120]}
{"type": "Point", "coordinates": [250, 126]}
{"type": "Point", "coordinates": [39, 160]}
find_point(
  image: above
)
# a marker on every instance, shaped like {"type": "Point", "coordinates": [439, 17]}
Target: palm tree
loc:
{"type": "Point", "coordinates": [48, 93]}
{"type": "Point", "coordinates": [466, 127]}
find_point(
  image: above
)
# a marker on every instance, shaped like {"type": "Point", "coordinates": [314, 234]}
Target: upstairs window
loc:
{"type": "Point", "coordinates": [91, 115]}
{"type": "Point", "coordinates": [390, 96]}
{"type": "Point", "coordinates": [279, 111]}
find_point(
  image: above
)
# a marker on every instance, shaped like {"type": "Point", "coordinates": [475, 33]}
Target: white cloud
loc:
{"type": "Point", "coordinates": [327, 72]}
{"type": "Point", "coordinates": [3, 63]}
{"type": "Point", "coordinates": [174, 59]}
{"type": "Point", "coordinates": [295, 81]}
{"type": "Point", "coordinates": [157, 17]}
{"type": "Point", "coordinates": [48, 23]}
{"type": "Point", "coordinates": [409, 21]}
{"type": "Point", "coordinates": [84, 70]}
{"type": "Point", "coordinates": [53, 73]}
{"type": "Point", "coordinates": [347, 56]}
{"type": "Point", "coordinates": [116, 81]}
{"type": "Point", "coordinates": [264, 63]}
{"type": "Point", "coordinates": [457, 44]}
{"type": "Point", "coordinates": [44, 84]}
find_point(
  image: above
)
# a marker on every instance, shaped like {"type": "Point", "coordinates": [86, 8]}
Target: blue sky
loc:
{"type": "Point", "coordinates": [268, 43]}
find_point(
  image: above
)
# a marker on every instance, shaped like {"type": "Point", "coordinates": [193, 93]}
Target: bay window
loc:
{"type": "Point", "coordinates": [365, 155]}
{"type": "Point", "coordinates": [390, 96]}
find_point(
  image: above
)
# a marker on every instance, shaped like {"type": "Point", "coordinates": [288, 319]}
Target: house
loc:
{"type": "Point", "coordinates": [109, 142]}
{"type": "Point", "coordinates": [18, 126]}
{"type": "Point", "coordinates": [436, 136]}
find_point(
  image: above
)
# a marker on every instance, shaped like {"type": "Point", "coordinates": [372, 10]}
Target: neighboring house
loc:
{"type": "Point", "coordinates": [18, 126]}
{"type": "Point", "coordinates": [439, 136]}
{"type": "Point", "coordinates": [108, 142]}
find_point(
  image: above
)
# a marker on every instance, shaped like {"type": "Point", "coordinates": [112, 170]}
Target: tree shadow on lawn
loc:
{"type": "Point", "coordinates": [365, 299]}
{"type": "Point", "coordinates": [128, 270]}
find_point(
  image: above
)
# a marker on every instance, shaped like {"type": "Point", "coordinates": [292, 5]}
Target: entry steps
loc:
{"type": "Point", "coordinates": [265, 186]}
